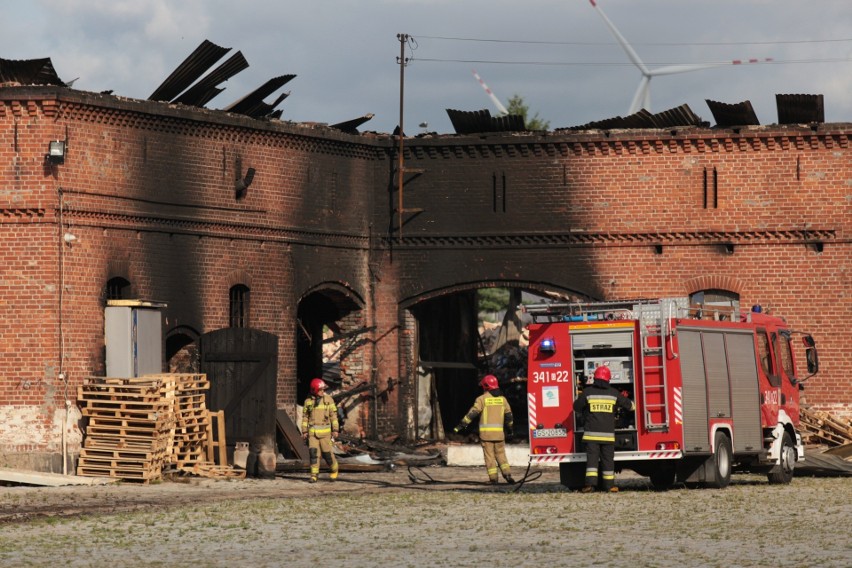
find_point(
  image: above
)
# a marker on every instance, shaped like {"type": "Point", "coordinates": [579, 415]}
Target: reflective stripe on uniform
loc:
{"type": "Point", "coordinates": [598, 437]}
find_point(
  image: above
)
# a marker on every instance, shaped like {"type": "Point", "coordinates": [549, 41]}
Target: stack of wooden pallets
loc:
{"type": "Point", "coordinates": [139, 426]}
{"type": "Point", "coordinates": [192, 419]}
{"type": "Point", "coordinates": [820, 427]}
{"type": "Point", "coordinates": [131, 424]}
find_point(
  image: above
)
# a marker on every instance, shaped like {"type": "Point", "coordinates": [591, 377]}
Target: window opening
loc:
{"type": "Point", "coordinates": [117, 288]}
{"type": "Point", "coordinates": [239, 301]}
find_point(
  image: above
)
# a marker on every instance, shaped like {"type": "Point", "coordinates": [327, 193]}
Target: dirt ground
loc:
{"type": "Point", "coordinates": [430, 516]}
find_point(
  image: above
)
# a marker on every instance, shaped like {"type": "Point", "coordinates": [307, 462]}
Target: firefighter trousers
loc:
{"type": "Point", "coordinates": [322, 446]}
{"type": "Point", "coordinates": [603, 454]}
{"type": "Point", "coordinates": [495, 457]}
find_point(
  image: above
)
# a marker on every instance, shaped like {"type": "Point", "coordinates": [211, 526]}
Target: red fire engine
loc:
{"type": "Point", "coordinates": [715, 390]}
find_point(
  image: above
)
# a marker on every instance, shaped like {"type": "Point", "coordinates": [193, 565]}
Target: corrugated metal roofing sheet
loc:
{"type": "Point", "coordinates": [264, 110]}
{"type": "Point", "coordinates": [800, 109]}
{"type": "Point", "coordinates": [29, 72]}
{"type": "Point", "coordinates": [471, 122]}
{"type": "Point", "coordinates": [351, 126]}
{"type": "Point", "coordinates": [676, 117]}
{"type": "Point", "coordinates": [737, 114]}
{"type": "Point", "coordinates": [199, 94]}
{"type": "Point", "coordinates": [253, 102]}
{"type": "Point", "coordinates": [193, 67]}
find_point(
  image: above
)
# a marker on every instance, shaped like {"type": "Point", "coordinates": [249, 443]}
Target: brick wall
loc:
{"type": "Point", "coordinates": [148, 190]}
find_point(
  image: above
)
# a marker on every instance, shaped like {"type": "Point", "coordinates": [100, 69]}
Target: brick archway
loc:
{"type": "Point", "coordinates": [714, 282]}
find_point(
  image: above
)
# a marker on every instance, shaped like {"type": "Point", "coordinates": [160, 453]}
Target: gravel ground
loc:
{"type": "Point", "coordinates": [443, 516]}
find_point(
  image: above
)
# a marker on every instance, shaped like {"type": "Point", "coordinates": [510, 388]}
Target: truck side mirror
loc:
{"type": "Point", "coordinates": [811, 354]}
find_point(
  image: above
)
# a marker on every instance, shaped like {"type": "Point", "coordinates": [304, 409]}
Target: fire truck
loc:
{"type": "Point", "coordinates": [716, 390]}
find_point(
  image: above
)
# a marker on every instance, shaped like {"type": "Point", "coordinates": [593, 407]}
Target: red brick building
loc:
{"type": "Point", "coordinates": [150, 193]}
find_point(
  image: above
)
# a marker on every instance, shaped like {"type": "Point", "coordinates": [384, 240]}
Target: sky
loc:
{"type": "Point", "coordinates": [558, 55]}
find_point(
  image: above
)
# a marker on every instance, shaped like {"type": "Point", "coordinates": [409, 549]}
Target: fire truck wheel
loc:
{"type": "Point", "coordinates": [783, 472]}
{"type": "Point", "coordinates": [722, 461]}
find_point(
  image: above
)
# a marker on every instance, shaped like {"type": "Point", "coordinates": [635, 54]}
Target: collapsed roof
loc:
{"type": "Point", "coordinates": [188, 85]}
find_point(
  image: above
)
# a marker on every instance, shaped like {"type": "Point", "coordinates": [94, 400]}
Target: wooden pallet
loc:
{"type": "Point", "coordinates": [206, 469]}
{"type": "Point", "coordinates": [820, 427]}
{"type": "Point", "coordinates": [139, 426]}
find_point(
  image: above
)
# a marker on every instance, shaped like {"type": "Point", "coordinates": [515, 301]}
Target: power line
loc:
{"type": "Point", "coordinates": [658, 44]}
{"type": "Point", "coordinates": [625, 64]}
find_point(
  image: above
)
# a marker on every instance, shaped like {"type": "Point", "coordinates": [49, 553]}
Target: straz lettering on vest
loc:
{"type": "Point", "coordinates": [597, 404]}
{"type": "Point", "coordinates": [494, 401]}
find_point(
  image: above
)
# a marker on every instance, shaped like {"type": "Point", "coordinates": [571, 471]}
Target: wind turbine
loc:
{"type": "Point", "coordinates": [642, 98]}
{"type": "Point", "coordinates": [503, 110]}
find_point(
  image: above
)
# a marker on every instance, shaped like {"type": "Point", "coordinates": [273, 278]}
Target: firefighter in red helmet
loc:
{"type": "Point", "coordinates": [596, 404]}
{"type": "Point", "coordinates": [319, 428]}
{"type": "Point", "coordinates": [494, 413]}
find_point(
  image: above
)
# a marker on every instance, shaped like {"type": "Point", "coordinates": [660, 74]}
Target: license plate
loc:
{"type": "Point", "coordinates": [550, 433]}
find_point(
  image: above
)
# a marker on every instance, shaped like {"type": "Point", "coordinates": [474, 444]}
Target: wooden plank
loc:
{"type": "Point", "coordinates": [210, 454]}
{"type": "Point", "coordinates": [292, 435]}
{"type": "Point", "coordinates": [220, 438]}
{"type": "Point", "coordinates": [41, 479]}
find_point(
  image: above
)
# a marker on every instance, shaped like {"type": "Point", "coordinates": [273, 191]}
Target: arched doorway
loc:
{"type": "Point", "coordinates": [331, 343]}
{"type": "Point", "coordinates": [182, 350]}
{"type": "Point", "coordinates": [460, 338]}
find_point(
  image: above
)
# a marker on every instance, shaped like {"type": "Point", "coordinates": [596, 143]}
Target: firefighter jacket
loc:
{"type": "Point", "coordinates": [596, 405]}
{"type": "Point", "coordinates": [493, 411]}
{"type": "Point", "coordinates": [319, 416]}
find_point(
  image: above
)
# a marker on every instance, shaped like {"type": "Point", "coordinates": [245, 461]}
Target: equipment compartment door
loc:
{"type": "Point", "coordinates": [744, 389]}
{"type": "Point", "coordinates": [696, 436]}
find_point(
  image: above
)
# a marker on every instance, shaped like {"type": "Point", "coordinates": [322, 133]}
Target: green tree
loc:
{"type": "Point", "coordinates": [492, 300]}
{"type": "Point", "coordinates": [518, 106]}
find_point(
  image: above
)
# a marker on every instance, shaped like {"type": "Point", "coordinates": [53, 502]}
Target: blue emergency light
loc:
{"type": "Point", "coordinates": [547, 345]}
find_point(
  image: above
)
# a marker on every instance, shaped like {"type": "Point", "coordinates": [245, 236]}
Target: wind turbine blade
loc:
{"type": "Point", "coordinates": [642, 98]}
{"type": "Point", "coordinates": [634, 57]}
{"type": "Point", "coordinates": [491, 95]}
{"type": "Point", "coordinates": [683, 68]}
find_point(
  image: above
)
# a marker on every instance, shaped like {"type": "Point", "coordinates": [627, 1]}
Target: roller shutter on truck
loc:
{"type": "Point", "coordinates": [695, 431]}
{"type": "Point", "coordinates": [719, 382]}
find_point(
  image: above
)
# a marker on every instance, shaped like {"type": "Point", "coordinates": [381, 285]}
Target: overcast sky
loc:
{"type": "Point", "coordinates": [557, 54]}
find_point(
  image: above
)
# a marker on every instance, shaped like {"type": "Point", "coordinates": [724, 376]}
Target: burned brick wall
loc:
{"type": "Point", "coordinates": [763, 213]}
{"type": "Point", "coordinates": [149, 192]}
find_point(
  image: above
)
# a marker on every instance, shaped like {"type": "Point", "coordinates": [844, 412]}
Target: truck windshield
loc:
{"type": "Point", "coordinates": [766, 361]}
{"type": "Point", "coordinates": [785, 354]}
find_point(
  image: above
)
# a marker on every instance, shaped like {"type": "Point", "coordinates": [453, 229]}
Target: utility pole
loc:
{"type": "Point", "coordinates": [403, 61]}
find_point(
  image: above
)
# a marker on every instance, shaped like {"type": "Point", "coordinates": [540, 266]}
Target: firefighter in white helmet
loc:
{"type": "Point", "coordinates": [494, 412]}
{"type": "Point", "coordinates": [319, 428]}
{"type": "Point", "coordinates": [596, 404]}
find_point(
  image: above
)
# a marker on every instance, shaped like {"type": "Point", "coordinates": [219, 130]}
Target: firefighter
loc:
{"type": "Point", "coordinates": [320, 428]}
{"type": "Point", "coordinates": [494, 412]}
{"type": "Point", "coordinates": [596, 404]}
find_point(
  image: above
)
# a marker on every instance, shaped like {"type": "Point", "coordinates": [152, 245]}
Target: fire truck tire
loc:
{"type": "Point", "coordinates": [722, 461]}
{"type": "Point", "coordinates": [663, 477]}
{"type": "Point", "coordinates": [783, 472]}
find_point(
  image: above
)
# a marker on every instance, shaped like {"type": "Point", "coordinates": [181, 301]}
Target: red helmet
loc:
{"type": "Point", "coordinates": [602, 373]}
{"type": "Point", "coordinates": [317, 385]}
{"type": "Point", "coordinates": [489, 382]}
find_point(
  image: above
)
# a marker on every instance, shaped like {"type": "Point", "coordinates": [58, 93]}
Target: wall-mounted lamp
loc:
{"type": "Point", "coordinates": [729, 248]}
{"type": "Point", "coordinates": [241, 186]}
{"type": "Point", "coordinates": [56, 152]}
{"type": "Point", "coordinates": [69, 238]}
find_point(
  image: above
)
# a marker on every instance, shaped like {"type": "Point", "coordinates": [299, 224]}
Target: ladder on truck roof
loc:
{"type": "Point", "coordinates": [654, 320]}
